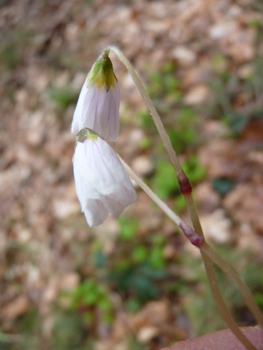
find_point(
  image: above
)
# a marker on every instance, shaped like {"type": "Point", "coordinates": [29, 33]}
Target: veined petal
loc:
{"type": "Point", "coordinates": [110, 124]}
{"type": "Point", "coordinates": [99, 101]}
{"type": "Point", "coordinates": [95, 212]}
{"type": "Point", "coordinates": [85, 102]}
{"type": "Point", "coordinates": [102, 184]}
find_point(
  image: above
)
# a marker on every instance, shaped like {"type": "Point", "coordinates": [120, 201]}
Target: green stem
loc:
{"type": "Point", "coordinates": [175, 218]}
{"type": "Point", "coordinates": [189, 201]}
{"type": "Point", "coordinates": [150, 106]}
{"type": "Point", "coordinates": [207, 261]}
{"type": "Point", "coordinates": [212, 277]}
{"type": "Point", "coordinates": [228, 269]}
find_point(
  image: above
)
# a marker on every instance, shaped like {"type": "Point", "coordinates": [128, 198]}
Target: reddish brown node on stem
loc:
{"type": "Point", "coordinates": [185, 186]}
{"type": "Point", "coordinates": [193, 236]}
{"type": "Point", "coordinates": [197, 241]}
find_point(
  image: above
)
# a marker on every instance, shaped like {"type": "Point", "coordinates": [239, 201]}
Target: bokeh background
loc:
{"type": "Point", "coordinates": [134, 283]}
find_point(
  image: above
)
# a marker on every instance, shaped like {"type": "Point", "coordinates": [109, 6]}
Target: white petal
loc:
{"type": "Point", "coordinates": [95, 212]}
{"type": "Point", "coordinates": [75, 126]}
{"type": "Point", "coordinates": [102, 184]}
{"type": "Point", "coordinates": [108, 113]}
{"type": "Point", "coordinates": [98, 110]}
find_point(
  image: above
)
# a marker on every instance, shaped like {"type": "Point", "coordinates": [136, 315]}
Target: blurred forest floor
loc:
{"type": "Point", "coordinates": [132, 283]}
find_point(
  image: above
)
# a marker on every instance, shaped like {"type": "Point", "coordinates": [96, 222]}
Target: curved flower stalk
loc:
{"type": "Point", "coordinates": [99, 101]}
{"type": "Point", "coordinates": [102, 184]}
{"type": "Point", "coordinates": [186, 190]}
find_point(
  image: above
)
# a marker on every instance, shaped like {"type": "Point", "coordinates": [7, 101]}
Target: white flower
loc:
{"type": "Point", "coordinates": [99, 100]}
{"type": "Point", "coordinates": [102, 184]}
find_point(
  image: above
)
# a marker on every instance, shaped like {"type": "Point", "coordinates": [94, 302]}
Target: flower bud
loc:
{"type": "Point", "coordinates": [102, 184]}
{"type": "Point", "coordinates": [99, 100]}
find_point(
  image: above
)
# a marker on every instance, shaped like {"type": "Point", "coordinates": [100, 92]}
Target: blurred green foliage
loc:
{"type": "Point", "coordinates": [235, 121]}
{"type": "Point", "coordinates": [223, 185]}
{"type": "Point", "coordinates": [259, 293]}
{"type": "Point", "coordinates": [180, 120]}
{"type": "Point", "coordinates": [138, 265]}
{"type": "Point", "coordinates": [165, 183]}
{"type": "Point", "coordinates": [163, 86]}
{"type": "Point", "coordinates": [12, 47]}
{"type": "Point", "coordinates": [9, 55]}
{"type": "Point", "coordinates": [145, 143]}
{"type": "Point", "coordinates": [28, 332]}
{"type": "Point", "coordinates": [146, 121]}
{"type": "Point", "coordinates": [63, 96]}
{"type": "Point", "coordinates": [128, 227]}
{"type": "Point", "coordinates": [133, 344]}
{"type": "Point", "coordinates": [184, 132]}
{"type": "Point", "coordinates": [201, 306]}
{"type": "Point", "coordinates": [88, 295]}
{"type": "Point", "coordinates": [69, 332]}
{"type": "Point", "coordinates": [137, 281]}
{"type": "Point", "coordinates": [97, 257]}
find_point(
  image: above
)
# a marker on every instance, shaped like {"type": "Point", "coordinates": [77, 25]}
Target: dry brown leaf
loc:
{"type": "Point", "coordinates": [245, 204]}
{"type": "Point", "coordinates": [16, 307]}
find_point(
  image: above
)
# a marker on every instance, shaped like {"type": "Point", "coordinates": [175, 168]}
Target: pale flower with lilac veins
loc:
{"type": "Point", "coordinates": [99, 100]}
{"type": "Point", "coordinates": [102, 184]}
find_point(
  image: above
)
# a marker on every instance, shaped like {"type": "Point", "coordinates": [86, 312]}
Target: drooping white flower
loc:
{"type": "Point", "coordinates": [102, 184]}
{"type": "Point", "coordinates": [99, 100]}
